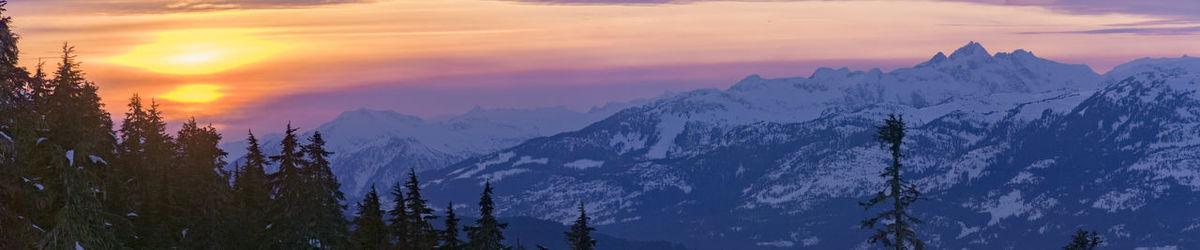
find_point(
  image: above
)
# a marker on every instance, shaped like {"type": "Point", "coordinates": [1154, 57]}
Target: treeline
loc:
{"type": "Point", "coordinates": [70, 180]}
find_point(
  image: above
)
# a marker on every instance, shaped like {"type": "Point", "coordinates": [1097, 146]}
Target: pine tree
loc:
{"type": "Point", "coordinates": [420, 229]}
{"type": "Point", "coordinates": [144, 155]}
{"type": "Point", "coordinates": [486, 234]}
{"type": "Point", "coordinates": [328, 226]}
{"type": "Point", "coordinates": [580, 236]}
{"type": "Point", "coordinates": [16, 130]}
{"type": "Point", "coordinates": [398, 221]}
{"type": "Point", "coordinates": [287, 230]}
{"type": "Point", "coordinates": [450, 240]}
{"type": "Point", "coordinates": [1083, 240]}
{"type": "Point", "coordinates": [897, 232]}
{"type": "Point", "coordinates": [76, 151]}
{"type": "Point", "coordinates": [252, 197]}
{"type": "Point", "coordinates": [369, 230]}
{"type": "Point", "coordinates": [203, 186]}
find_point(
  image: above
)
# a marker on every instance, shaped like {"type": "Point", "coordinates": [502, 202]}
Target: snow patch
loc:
{"type": "Point", "coordinates": [71, 157]}
{"type": "Point", "coordinates": [501, 158]}
{"type": "Point", "coordinates": [97, 159]}
{"type": "Point", "coordinates": [528, 160]}
{"type": "Point", "coordinates": [778, 243]}
{"type": "Point", "coordinates": [669, 128]}
{"type": "Point", "coordinates": [584, 164]}
{"type": "Point", "coordinates": [1008, 205]}
{"type": "Point", "coordinates": [497, 176]}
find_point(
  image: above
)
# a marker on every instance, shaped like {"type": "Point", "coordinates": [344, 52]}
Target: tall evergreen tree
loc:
{"type": "Point", "coordinates": [75, 154]}
{"type": "Point", "coordinates": [897, 230]}
{"type": "Point", "coordinates": [580, 236]}
{"type": "Point", "coordinates": [288, 230]}
{"type": "Point", "coordinates": [420, 228]}
{"type": "Point", "coordinates": [328, 225]}
{"type": "Point", "coordinates": [251, 199]}
{"type": "Point", "coordinates": [144, 155]}
{"type": "Point", "coordinates": [398, 221]}
{"type": "Point", "coordinates": [16, 130]}
{"type": "Point", "coordinates": [450, 240]}
{"type": "Point", "coordinates": [369, 230]}
{"type": "Point", "coordinates": [1083, 240]}
{"type": "Point", "coordinates": [486, 234]}
{"type": "Point", "coordinates": [204, 187]}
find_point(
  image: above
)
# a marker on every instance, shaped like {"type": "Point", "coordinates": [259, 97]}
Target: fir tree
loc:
{"type": "Point", "coordinates": [76, 151]}
{"type": "Point", "coordinates": [328, 226]}
{"type": "Point", "coordinates": [203, 186]}
{"type": "Point", "coordinates": [288, 228]}
{"type": "Point", "coordinates": [486, 234]}
{"type": "Point", "coordinates": [580, 236]}
{"type": "Point", "coordinates": [398, 221]}
{"type": "Point", "coordinates": [897, 232]}
{"type": "Point", "coordinates": [16, 130]}
{"type": "Point", "coordinates": [450, 240]}
{"type": "Point", "coordinates": [420, 228]}
{"type": "Point", "coordinates": [1083, 240]}
{"type": "Point", "coordinates": [252, 197]}
{"type": "Point", "coordinates": [369, 230]}
{"type": "Point", "coordinates": [144, 154]}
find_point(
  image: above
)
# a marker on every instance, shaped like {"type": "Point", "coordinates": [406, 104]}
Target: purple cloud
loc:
{"type": "Point", "coordinates": [1169, 31]}
{"type": "Point", "coordinates": [1186, 9]}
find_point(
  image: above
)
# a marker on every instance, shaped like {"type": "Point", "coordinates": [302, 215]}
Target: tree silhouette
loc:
{"type": "Point", "coordinates": [897, 230]}
{"type": "Point", "coordinates": [580, 237]}
{"type": "Point", "coordinates": [1083, 240]}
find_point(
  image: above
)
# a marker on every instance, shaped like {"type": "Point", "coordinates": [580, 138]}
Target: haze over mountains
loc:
{"type": "Point", "coordinates": [1006, 146]}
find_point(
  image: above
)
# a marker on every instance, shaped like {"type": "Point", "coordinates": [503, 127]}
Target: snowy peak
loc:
{"type": "Point", "coordinates": [1184, 64]}
{"type": "Point", "coordinates": [971, 51]}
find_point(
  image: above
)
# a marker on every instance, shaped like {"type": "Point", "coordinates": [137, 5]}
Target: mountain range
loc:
{"type": "Point", "coordinates": [1011, 151]}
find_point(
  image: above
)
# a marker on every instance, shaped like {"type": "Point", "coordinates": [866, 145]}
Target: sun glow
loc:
{"type": "Point", "coordinates": [198, 52]}
{"type": "Point", "coordinates": [194, 93]}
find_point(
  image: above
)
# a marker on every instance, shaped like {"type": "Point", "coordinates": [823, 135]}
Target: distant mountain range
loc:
{"type": "Point", "coordinates": [1012, 151]}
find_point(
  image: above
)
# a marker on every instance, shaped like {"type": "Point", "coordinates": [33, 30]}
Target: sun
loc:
{"type": "Point", "coordinates": [194, 93]}
{"type": "Point", "coordinates": [199, 51]}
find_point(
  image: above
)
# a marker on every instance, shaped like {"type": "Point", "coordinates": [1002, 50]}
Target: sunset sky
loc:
{"type": "Point", "coordinates": [260, 63]}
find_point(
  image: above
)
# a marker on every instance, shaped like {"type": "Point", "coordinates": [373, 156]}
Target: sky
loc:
{"type": "Point", "coordinates": [258, 64]}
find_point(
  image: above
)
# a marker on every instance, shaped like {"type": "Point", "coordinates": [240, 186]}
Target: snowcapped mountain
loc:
{"type": "Point", "coordinates": [1006, 146]}
{"type": "Point", "coordinates": [379, 146]}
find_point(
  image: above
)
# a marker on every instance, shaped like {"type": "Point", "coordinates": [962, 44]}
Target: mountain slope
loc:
{"type": "Point", "coordinates": [1006, 146]}
{"type": "Point", "coordinates": [377, 147]}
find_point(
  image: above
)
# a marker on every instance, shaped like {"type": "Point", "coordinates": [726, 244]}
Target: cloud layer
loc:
{"type": "Point", "coordinates": [1189, 9]}
{"type": "Point", "coordinates": [181, 6]}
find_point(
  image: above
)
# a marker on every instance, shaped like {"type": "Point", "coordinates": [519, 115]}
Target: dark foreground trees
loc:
{"type": "Point", "coordinates": [897, 232]}
{"type": "Point", "coordinates": [69, 180]}
{"type": "Point", "coordinates": [580, 236]}
{"type": "Point", "coordinates": [1084, 240]}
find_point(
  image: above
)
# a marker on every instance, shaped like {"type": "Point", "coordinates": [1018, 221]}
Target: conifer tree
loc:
{"type": "Point", "coordinates": [398, 222]}
{"type": "Point", "coordinates": [420, 228]}
{"type": "Point", "coordinates": [144, 154]}
{"type": "Point", "coordinates": [203, 186]}
{"type": "Point", "coordinates": [897, 232]}
{"type": "Point", "coordinates": [369, 230]}
{"type": "Point", "coordinates": [252, 197]}
{"type": "Point", "coordinates": [450, 240]}
{"type": "Point", "coordinates": [16, 130]}
{"type": "Point", "coordinates": [78, 145]}
{"type": "Point", "coordinates": [287, 230]}
{"type": "Point", "coordinates": [1083, 240]}
{"type": "Point", "coordinates": [580, 236]}
{"type": "Point", "coordinates": [486, 234]}
{"type": "Point", "coordinates": [328, 225]}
